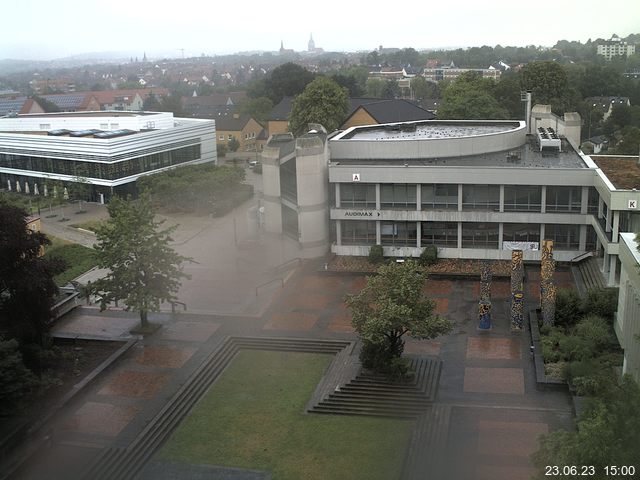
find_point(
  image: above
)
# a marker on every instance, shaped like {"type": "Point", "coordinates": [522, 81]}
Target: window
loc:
{"type": "Point", "coordinates": [522, 198]}
{"type": "Point", "coordinates": [246, 136]}
{"type": "Point", "coordinates": [479, 235]}
{"type": "Point", "coordinates": [358, 195]}
{"type": "Point", "coordinates": [520, 232]}
{"type": "Point", "coordinates": [402, 234]}
{"type": "Point", "coordinates": [439, 197]}
{"type": "Point", "coordinates": [222, 137]}
{"type": "Point", "coordinates": [565, 237]}
{"type": "Point", "coordinates": [398, 196]}
{"type": "Point", "coordinates": [441, 234]}
{"type": "Point", "coordinates": [564, 199]}
{"type": "Point", "coordinates": [230, 137]}
{"type": "Point", "coordinates": [594, 196]}
{"type": "Point", "coordinates": [358, 232]}
{"type": "Point", "coordinates": [480, 197]}
{"type": "Point", "coordinates": [45, 126]}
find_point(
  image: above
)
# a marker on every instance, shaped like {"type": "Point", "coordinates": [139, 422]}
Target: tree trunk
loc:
{"type": "Point", "coordinates": [144, 322]}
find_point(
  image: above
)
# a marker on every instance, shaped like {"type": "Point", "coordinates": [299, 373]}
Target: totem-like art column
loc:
{"type": "Point", "coordinates": [484, 305]}
{"type": "Point", "coordinates": [517, 290]}
{"type": "Point", "coordinates": [547, 288]}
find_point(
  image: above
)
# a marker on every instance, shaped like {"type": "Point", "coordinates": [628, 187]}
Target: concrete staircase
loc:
{"type": "Point", "coordinates": [592, 278]}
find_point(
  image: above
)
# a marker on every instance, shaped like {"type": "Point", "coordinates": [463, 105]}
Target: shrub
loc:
{"type": "Point", "coordinates": [221, 150]}
{"type": "Point", "coordinates": [429, 255]}
{"type": "Point", "coordinates": [601, 302]}
{"type": "Point", "coordinates": [376, 254]}
{"type": "Point", "coordinates": [568, 308]}
{"type": "Point", "coordinates": [595, 332]}
{"type": "Point", "coordinates": [16, 380]}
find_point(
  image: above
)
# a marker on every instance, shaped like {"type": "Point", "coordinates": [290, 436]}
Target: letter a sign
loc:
{"type": "Point", "coordinates": [355, 177]}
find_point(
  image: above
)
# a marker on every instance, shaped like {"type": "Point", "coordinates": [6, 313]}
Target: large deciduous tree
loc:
{"type": "Point", "coordinates": [471, 97]}
{"type": "Point", "coordinates": [144, 271]}
{"type": "Point", "coordinates": [549, 85]}
{"type": "Point", "coordinates": [324, 102]}
{"type": "Point", "coordinates": [27, 288]}
{"type": "Point", "coordinates": [391, 305]}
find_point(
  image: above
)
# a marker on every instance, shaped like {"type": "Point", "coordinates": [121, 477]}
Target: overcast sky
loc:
{"type": "Point", "coordinates": [38, 29]}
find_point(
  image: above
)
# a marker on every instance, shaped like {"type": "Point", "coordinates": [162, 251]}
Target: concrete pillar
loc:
{"type": "Point", "coordinates": [459, 198]}
{"type": "Point", "coordinates": [605, 263]}
{"type": "Point", "coordinates": [583, 238]}
{"type": "Point", "coordinates": [501, 207]}
{"type": "Point", "coordinates": [600, 206]}
{"type": "Point", "coordinates": [500, 234]}
{"type": "Point", "coordinates": [418, 234]}
{"type": "Point", "coordinates": [338, 232]}
{"type": "Point", "coordinates": [378, 233]}
{"type": "Point", "coordinates": [337, 195]}
{"type": "Point", "coordinates": [377, 197]}
{"type": "Point", "coordinates": [541, 234]}
{"type": "Point", "coordinates": [543, 199]}
{"type": "Point", "coordinates": [612, 270]}
{"type": "Point", "coordinates": [584, 201]}
{"type": "Point", "coordinates": [616, 226]}
{"type": "Point", "coordinates": [418, 197]}
{"type": "Point", "coordinates": [459, 234]}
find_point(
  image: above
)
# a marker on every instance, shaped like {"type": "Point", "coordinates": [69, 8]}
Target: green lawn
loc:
{"type": "Point", "coordinates": [79, 258]}
{"type": "Point", "coordinates": [91, 225]}
{"type": "Point", "coordinates": [253, 418]}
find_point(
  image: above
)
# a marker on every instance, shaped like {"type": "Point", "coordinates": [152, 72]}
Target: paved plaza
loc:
{"type": "Point", "coordinates": [487, 377]}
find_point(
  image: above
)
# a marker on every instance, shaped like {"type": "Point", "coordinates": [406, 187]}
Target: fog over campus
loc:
{"type": "Point", "coordinates": [194, 27]}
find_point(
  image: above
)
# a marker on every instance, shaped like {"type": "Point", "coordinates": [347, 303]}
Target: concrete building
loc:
{"type": "Point", "coordinates": [451, 73]}
{"type": "Point", "coordinates": [627, 322]}
{"type": "Point", "coordinates": [615, 47]}
{"type": "Point", "coordinates": [109, 150]}
{"type": "Point", "coordinates": [475, 189]}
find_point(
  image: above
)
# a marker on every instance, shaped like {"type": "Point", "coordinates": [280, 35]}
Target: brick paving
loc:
{"type": "Point", "coordinates": [487, 377]}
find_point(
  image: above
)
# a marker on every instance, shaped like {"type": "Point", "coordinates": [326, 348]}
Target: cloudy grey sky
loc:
{"type": "Point", "coordinates": [39, 29]}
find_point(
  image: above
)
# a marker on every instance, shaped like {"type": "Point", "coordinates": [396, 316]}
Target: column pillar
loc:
{"type": "Point", "coordinates": [501, 207]}
{"type": "Point", "coordinates": [339, 233]}
{"type": "Point", "coordinates": [459, 197]}
{"type": "Point", "coordinates": [612, 270]}
{"type": "Point", "coordinates": [584, 201]}
{"type": "Point", "coordinates": [378, 197]}
{"type": "Point", "coordinates": [459, 234]}
{"type": "Point", "coordinates": [418, 234]}
{"type": "Point", "coordinates": [500, 234]}
{"type": "Point", "coordinates": [616, 226]}
{"type": "Point", "coordinates": [583, 238]}
{"type": "Point", "coordinates": [337, 195]}
{"type": "Point", "coordinates": [543, 199]}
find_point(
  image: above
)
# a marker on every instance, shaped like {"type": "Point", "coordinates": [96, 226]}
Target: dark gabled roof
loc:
{"type": "Point", "coordinates": [605, 102]}
{"type": "Point", "coordinates": [13, 105]}
{"type": "Point", "coordinates": [396, 110]}
{"type": "Point", "coordinates": [231, 123]}
{"type": "Point", "coordinates": [282, 110]}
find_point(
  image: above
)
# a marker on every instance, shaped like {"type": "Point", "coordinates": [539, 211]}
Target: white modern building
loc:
{"type": "Point", "coordinates": [475, 189]}
{"type": "Point", "coordinates": [627, 323]}
{"type": "Point", "coordinates": [615, 47]}
{"type": "Point", "coordinates": [108, 150]}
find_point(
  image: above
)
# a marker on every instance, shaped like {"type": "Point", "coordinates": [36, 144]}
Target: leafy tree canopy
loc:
{"type": "Point", "coordinates": [324, 102]}
{"type": "Point", "coordinates": [286, 80]}
{"type": "Point", "coordinates": [471, 97]}
{"type": "Point", "coordinates": [27, 288]}
{"type": "Point", "coordinates": [258, 108]}
{"type": "Point", "coordinates": [392, 304]}
{"type": "Point", "coordinates": [549, 85]}
{"type": "Point", "coordinates": [144, 271]}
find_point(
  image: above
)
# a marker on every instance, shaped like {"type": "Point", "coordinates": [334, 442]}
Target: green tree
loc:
{"type": "Point", "coordinates": [374, 87]}
{"type": "Point", "coordinates": [391, 305]}
{"type": "Point", "coordinates": [423, 89]}
{"type": "Point", "coordinates": [258, 108]}
{"type": "Point", "coordinates": [233, 144]}
{"type": "Point", "coordinates": [286, 80]}
{"type": "Point", "coordinates": [16, 380]}
{"type": "Point", "coordinates": [629, 143]}
{"type": "Point", "coordinates": [608, 434]}
{"type": "Point", "coordinates": [27, 288]}
{"type": "Point", "coordinates": [324, 102]}
{"type": "Point", "coordinates": [549, 85]}
{"type": "Point", "coordinates": [470, 97]}
{"type": "Point", "coordinates": [144, 271]}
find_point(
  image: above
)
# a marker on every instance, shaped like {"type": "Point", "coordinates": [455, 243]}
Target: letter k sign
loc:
{"type": "Point", "coordinates": [355, 177]}
{"type": "Point", "coordinates": [633, 204]}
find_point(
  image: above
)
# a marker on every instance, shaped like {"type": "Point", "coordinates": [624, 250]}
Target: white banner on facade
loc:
{"type": "Point", "coordinates": [520, 246]}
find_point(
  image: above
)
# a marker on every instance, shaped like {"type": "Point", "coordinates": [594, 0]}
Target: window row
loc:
{"type": "Point", "coordinates": [107, 171]}
{"type": "Point", "coordinates": [445, 234]}
{"type": "Point", "coordinates": [517, 198]}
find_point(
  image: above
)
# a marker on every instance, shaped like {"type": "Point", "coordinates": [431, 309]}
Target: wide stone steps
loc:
{"type": "Point", "coordinates": [592, 278]}
{"type": "Point", "coordinates": [125, 463]}
{"type": "Point", "coordinates": [426, 456]}
{"type": "Point", "coordinates": [370, 394]}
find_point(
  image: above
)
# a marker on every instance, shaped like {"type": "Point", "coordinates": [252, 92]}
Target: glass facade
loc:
{"type": "Point", "coordinates": [441, 234]}
{"type": "Point", "coordinates": [401, 234]}
{"type": "Point", "coordinates": [565, 237]}
{"type": "Point", "coordinates": [289, 181]}
{"type": "Point", "coordinates": [358, 195]}
{"type": "Point", "coordinates": [480, 235]}
{"type": "Point", "coordinates": [564, 199]}
{"type": "Point", "coordinates": [520, 232]}
{"type": "Point", "coordinates": [439, 197]}
{"type": "Point", "coordinates": [481, 197]}
{"type": "Point", "coordinates": [101, 170]}
{"type": "Point", "coordinates": [522, 198]}
{"type": "Point", "coordinates": [356, 232]}
{"type": "Point", "coordinates": [398, 196]}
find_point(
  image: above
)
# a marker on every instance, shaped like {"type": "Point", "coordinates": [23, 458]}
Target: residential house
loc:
{"type": "Point", "coordinates": [243, 128]}
{"type": "Point", "coordinates": [615, 47]}
{"type": "Point", "coordinates": [74, 102]}
{"type": "Point", "coordinates": [19, 105]}
{"type": "Point", "coordinates": [606, 104]}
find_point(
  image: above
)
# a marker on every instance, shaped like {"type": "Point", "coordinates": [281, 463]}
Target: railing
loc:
{"type": "Point", "coordinates": [173, 306]}
{"type": "Point", "coordinates": [582, 256]}
{"type": "Point", "coordinates": [282, 266]}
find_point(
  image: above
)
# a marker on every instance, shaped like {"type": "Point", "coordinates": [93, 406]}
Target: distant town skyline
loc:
{"type": "Point", "coordinates": [38, 30]}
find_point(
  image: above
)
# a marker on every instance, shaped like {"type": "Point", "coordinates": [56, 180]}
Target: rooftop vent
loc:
{"type": "Point", "coordinates": [548, 139]}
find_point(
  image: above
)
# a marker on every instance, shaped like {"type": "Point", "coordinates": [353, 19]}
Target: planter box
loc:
{"type": "Point", "coordinates": [543, 382]}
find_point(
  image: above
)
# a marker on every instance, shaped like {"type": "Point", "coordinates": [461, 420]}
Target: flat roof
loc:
{"type": "Point", "coordinates": [622, 171]}
{"type": "Point", "coordinates": [527, 155]}
{"type": "Point", "coordinates": [100, 113]}
{"type": "Point", "coordinates": [430, 129]}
